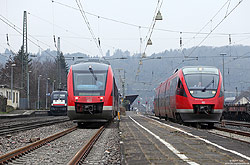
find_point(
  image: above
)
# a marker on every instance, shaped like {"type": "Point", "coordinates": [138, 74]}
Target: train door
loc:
{"type": "Point", "coordinates": [173, 105]}
{"type": "Point", "coordinates": [115, 98]}
{"type": "Point", "coordinates": [157, 108]}
{"type": "Point", "coordinates": [169, 99]}
{"type": "Point", "coordinates": [162, 101]}
{"type": "Point", "coordinates": [172, 97]}
{"type": "Point", "coordinates": [165, 100]}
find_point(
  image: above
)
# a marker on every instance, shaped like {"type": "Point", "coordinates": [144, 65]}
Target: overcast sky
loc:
{"type": "Point", "coordinates": [46, 19]}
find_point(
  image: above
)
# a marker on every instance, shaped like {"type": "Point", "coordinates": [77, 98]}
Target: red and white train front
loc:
{"type": "Point", "coordinates": [204, 99]}
{"type": "Point", "coordinates": [91, 92]}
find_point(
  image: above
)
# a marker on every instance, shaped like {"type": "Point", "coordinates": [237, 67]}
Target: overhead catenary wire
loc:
{"type": "Point", "coordinates": [215, 27]}
{"type": "Point", "coordinates": [17, 29]}
{"type": "Point", "coordinates": [199, 32]}
{"type": "Point", "coordinates": [148, 36]}
{"type": "Point", "coordinates": [146, 27]}
{"type": "Point", "coordinates": [205, 37]}
{"type": "Point", "coordinates": [89, 27]}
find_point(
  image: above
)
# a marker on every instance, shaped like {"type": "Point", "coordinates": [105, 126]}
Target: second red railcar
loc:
{"type": "Point", "coordinates": [192, 94]}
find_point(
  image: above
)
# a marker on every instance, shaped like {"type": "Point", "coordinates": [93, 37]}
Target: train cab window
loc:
{"type": "Point", "coordinates": [58, 96]}
{"type": "Point", "coordinates": [221, 90]}
{"type": "Point", "coordinates": [88, 84]}
{"type": "Point", "coordinates": [202, 85]}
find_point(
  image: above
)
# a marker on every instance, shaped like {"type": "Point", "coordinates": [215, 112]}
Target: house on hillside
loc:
{"type": "Point", "coordinates": [243, 98]}
{"type": "Point", "coordinates": [5, 91]}
{"type": "Point", "coordinates": [229, 100]}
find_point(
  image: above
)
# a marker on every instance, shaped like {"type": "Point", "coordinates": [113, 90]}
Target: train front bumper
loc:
{"type": "Point", "coordinates": [105, 115]}
{"type": "Point", "coordinates": [189, 116]}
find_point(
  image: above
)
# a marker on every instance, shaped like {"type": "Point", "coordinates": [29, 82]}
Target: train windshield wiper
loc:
{"type": "Point", "coordinates": [204, 89]}
{"type": "Point", "coordinates": [91, 71]}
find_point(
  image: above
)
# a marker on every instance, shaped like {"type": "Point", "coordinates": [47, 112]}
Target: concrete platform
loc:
{"type": "Point", "coordinates": [148, 141]}
{"type": "Point", "coordinates": [24, 113]}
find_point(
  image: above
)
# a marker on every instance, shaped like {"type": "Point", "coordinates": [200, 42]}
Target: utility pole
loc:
{"type": "Point", "coordinates": [53, 86]}
{"type": "Point", "coordinates": [123, 84]}
{"type": "Point", "coordinates": [47, 91]}
{"type": "Point", "coordinates": [236, 91]}
{"type": "Point", "coordinates": [25, 49]}
{"type": "Point", "coordinates": [12, 65]}
{"type": "Point", "coordinates": [122, 81]}
{"type": "Point", "coordinates": [223, 54]}
{"type": "Point", "coordinates": [59, 62]}
{"type": "Point", "coordinates": [38, 92]}
{"type": "Point", "coordinates": [28, 89]}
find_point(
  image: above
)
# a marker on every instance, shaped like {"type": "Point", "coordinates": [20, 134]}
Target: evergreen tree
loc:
{"type": "Point", "coordinates": [62, 71]}
{"type": "Point", "coordinates": [23, 65]}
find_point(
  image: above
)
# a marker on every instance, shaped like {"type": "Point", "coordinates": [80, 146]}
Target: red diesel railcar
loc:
{"type": "Point", "coordinates": [92, 93]}
{"type": "Point", "coordinates": [193, 94]}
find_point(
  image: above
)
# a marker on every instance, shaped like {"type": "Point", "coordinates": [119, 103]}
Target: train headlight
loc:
{"type": "Point", "coordinates": [213, 92]}
{"type": "Point", "coordinates": [76, 98]}
{"type": "Point", "coordinates": [191, 92]}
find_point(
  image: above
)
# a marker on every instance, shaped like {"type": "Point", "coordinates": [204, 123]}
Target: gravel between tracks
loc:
{"type": "Point", "coordinates": [20, 139]}
{"type": "Point", "coordinates": [105, 151]}
{"type": "Point", "coordinates": [59, 151]}
{"type": "Point", "coordinates": [107, 148]}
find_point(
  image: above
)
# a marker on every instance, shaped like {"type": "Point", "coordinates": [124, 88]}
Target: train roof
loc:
{"type": "Point", "coordinates": [200, 69]}
{"type": "Point", "coordinates": [96, 60]}
{"type": "Point", "coordinates": [93, 65]}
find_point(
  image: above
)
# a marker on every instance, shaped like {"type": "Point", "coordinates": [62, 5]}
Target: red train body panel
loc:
{"type": "Point", "coordinates": [181, 99]}
{"type": "Point", "coordinates": [92, 92]}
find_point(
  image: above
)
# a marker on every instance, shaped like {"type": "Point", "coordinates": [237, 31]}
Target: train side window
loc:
{"type": "Point", "coordinates": [16, 97]}
{"type": "Point", "coordinates": [14, 94]}
{"type": "Point", "coordinates": [221, 90]}
{"type": "Point", "coordinates": [180, 89]}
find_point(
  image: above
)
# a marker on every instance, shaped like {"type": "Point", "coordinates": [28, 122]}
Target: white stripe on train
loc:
{"type": "Point", "coordinates": [72, 108]}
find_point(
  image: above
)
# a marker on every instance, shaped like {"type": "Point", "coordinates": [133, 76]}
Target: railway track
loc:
{"type": "Point", "coordinates": [82, 154]}
{"type": "Point", "coordinates": [78, 158]}
{"type": "Point", "coordinates": [27, 126]}
{"type": "Point", "coordinates": [242, 133]}
{"type": "Point", "coordinates": [24, 150]}
{"type": "Point", "coordinates": [235, 123]}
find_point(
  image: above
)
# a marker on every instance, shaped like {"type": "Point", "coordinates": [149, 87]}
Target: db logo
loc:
{"type": "Point", "coordinates": [203, 102]}
{"type": "Point", "coordinates": [89, 99]}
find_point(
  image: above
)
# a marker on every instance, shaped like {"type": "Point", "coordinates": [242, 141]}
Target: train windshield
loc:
{"type": "Point", "coordinates": [202, 85]}
{"type": "Point", "coordinates": [90, 83]}
{"type": "Point", "coordinates": [58, 96]}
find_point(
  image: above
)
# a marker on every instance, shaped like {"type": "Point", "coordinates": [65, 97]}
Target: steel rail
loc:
{"type": "Point", "coordinates": [242, 133]}
{"type": "Point", "coordinates": [24, 150]}
{"type": "Point", "coordinates": [27, 126]}
{"type": "Point", "coordinates": [82, 154]}
{"type": "Point", "coordinates": [234, 123]}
